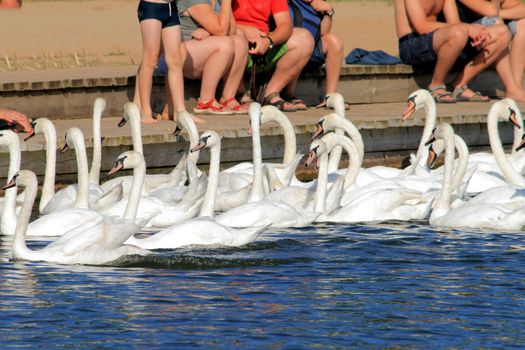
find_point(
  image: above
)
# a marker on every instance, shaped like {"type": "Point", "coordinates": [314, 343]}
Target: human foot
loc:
{"type": "Point", "coordinates": [147, 118]}
{"type": "Point", "coordinates": [518, 96]}
{"type": "Point", "coordinates": [441, 94]}
{"type": "Point", "coordinates": [465, 94]}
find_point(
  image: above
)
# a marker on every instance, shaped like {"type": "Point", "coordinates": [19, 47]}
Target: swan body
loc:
{"type": "Point", "coordinates": [203, 230]}
{"type": "Point", "coordinates": [259, 211]}
{"type": "Point", "coordinates": [98, 242]}
{"type": "Point", "coordinates": [58, 222]}
{"type": "Point", "coordinates": [482, 215]}
{"type": "Point", "coordinates": [8, 218]}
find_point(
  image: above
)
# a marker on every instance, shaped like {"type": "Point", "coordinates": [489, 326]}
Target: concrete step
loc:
{"type": "Point", "coordinates": [69, 93]}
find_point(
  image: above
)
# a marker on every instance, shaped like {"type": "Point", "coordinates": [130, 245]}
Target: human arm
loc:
{"type": "Point", "coordinates": [325, 8]}
{"type": "Point", "coordinates": [482, 7]}
{"type": "Point", "coordinates": [19, 121]}
{"type": "Point", "coordinates": [204, 15]}
{"type": "Point", "coordinates": [283, 31]}
{"type": "Point", "coordinates": [512, 9]}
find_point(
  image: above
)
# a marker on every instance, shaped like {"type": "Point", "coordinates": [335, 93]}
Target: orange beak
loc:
{"type": "Point", "coordinates": [409, 110]}
{"type": "Point", "coordinates": [310, 158]}
{"type": "Point", "coordinates": [318, 132]}
{"type": "Point", "coordinates": [432, 157]}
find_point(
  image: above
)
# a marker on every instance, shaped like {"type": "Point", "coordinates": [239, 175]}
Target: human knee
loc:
{"type": "Point", "coordinates": [520, 27]}
{"type": "Point", "coordinates": [458, 34]}
{"type": "Point", "coordinates": [149, 61]}
{"type": "Point", "coordinates": [240, 45]}
{"type": "Point", "coordinates": [301, 40]}
{"type": "Point", "coordinates": [174, 61]}
{"type": "Point", "coordinates": [334, 42]}
{"type": "Point", "coordinates": [226, 46]}
{"type": "Point", "coordinates": [501, 33]}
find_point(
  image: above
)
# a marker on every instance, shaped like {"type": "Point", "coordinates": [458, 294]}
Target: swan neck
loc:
{"type": "Point", "coordinates": [430, 123]}
{"type": "Point", "coordinates": [257, 192]}
{"type": "Point", "coordinates": [335, 154]}
{"type": "Point", "coordinates": [94, 172]}
{"type": "Point", "coordinates": [82, 200]}
{"type": "Point", "coordinates": [139, 174]}
{"type": "Point", "coordinates": [208, 206]}
{"type": "Point", "coordinates": [193, 134]}
{"type": "Point", "coordinates": [136, 133]}
{"type": "Point", "coordinates": [9, 213]}
{"type": "Point", "coordinates": [290, 142]}
{"type": "Point", "coordinates": [20, 249]}
{"type": "Point", "coordinates": [462, 165]}
{"type": "Point", "coordinates": [443, 203]}
{"type": "Point", "coordinates": [499, 154]}
{"type": "Point", "coordinates": [322, 184]}
{"type": "Point", "coordinates": [48, 188]}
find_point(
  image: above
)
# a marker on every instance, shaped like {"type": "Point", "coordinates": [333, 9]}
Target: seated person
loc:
{"type": "Point", "coordinates": [213, 52]}
{"type": "Point", "coordinates": [426, 43]}
{"type": "Point", "coordinates": [512, 12]}
{"type": "Point", "coordinates": [287, 49]}
{"type": "Point", "coordinates": [328, 49]}
{"type": "Point", "coordinates": [19, 122]}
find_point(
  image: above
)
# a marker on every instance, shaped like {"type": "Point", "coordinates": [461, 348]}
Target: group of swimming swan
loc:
{"type": "Point", "coordinates": [97, 223]}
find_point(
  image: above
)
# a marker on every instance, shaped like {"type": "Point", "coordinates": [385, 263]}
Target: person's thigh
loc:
{"type": "Point", "coordinates": [199, 51]}
{"type": "Point", "coordinates": [301, 39]}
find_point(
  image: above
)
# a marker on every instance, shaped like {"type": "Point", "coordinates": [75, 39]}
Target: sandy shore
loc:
{"type": "Point", "coordinates": [63, 34]}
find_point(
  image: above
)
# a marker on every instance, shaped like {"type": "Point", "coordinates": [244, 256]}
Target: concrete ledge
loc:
{"type": "Point", "coordinates": [387, 139]}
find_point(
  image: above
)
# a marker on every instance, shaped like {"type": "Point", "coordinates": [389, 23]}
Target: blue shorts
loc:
{"type": "Point", "coordinates": [417, 50]}
{"type": "Point", "coordinates": [167, 13]}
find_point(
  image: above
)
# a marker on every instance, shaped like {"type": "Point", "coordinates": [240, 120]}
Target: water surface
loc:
{"type": "Point", "coordinates": [329, 287]}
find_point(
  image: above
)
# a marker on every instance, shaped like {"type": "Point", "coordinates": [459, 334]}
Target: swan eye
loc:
{"type": "Point", "coordinates": [315, 149]}
{"type": "Point", "coordinates": [1, 134]}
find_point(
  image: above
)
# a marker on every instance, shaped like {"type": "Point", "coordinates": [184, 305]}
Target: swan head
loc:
{"type": "Point", "coordinates": [73, 135]}
{"type": "Point", "coordinates": [98, 107]}
{"type": "Point", "coordinates": [436, 142]}
{"type": "Point", "coordinates": [326, 123]}
{"type": "Point", "coordinates": [40, 126]}
{"type": "Point", "coordinates": [317, 148]}
{"type": "Point", "coordinates": [184, 120]}
{"type": "Point", "coordinates": [8, 137]}
{"type": "Point", "coordinates": [127, 160]}
{"type": "Point", "coordinates": [416, 100]}
{"type": "Point", "coordinates": [21, 178]}
{"type": "Point", "coordinates": [131, 111]}
{"type": "Point", "coordinates": [334, 99]}
{"type": "Point", "coordinates": [208, 139]}
{"type": "Point", "coordinates": [271, 113]}
{"type": "Point", "coordinates": [504, 111]}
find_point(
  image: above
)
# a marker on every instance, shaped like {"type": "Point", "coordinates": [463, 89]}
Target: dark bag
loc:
{"type": "Point", "coordinates": [304, 16]}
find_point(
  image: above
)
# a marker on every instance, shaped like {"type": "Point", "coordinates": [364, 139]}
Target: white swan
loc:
{"type": "Point", "coordinates": [483, 215]}
{"type": "Point", "coordinates": [131, 113]}
{"type": "Point", "coordinates": [486, 174]}
{"type": "Point", "coordinates": [8, 218]}
{"type": "Point", "coordinates": [58, 222]}
{"type": "Point", "coordinates": [203, 230]}
{"type": "Point", "coordinates": [99, 241]}
{"type": "Point", "coordinates": [153, 211]}
{"type": "Point", "coordinates": [259, 211]}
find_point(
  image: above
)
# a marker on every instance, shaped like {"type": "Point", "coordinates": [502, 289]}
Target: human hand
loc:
{"type": "Point", "coordinates": [479, 34]}
{"type": "Point", "coordinates": [251, 33]}
{"type": "Point", "coordinates": [19, 121]}
{"type": "Point", "coordinates": [200, 34]}
{"type": "Point", "coordinates": [321, 6]}
{"type": "Point", "coordinates": [261, 46]}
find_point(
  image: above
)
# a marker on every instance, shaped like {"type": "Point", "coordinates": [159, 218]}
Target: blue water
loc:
{"type": "Point", "coordinates": [325, 287]}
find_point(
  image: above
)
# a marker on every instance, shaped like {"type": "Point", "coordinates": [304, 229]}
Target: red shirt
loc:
{"type": "Point", "coordinates": [256, 13]}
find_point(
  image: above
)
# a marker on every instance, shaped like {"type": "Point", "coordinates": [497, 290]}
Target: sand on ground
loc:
{"type": "Point", "coordinates": [64, 34]}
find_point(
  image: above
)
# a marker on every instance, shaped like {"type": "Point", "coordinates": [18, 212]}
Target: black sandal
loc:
{"type": "Point", "coordinates": [280, 103]}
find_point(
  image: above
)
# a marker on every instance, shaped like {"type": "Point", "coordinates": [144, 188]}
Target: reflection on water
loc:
{"type": "Point", "coordinates": [329, 286]}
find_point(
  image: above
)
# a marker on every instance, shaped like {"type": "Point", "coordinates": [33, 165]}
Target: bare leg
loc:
{"type": "Point", "coordinates": [447, 43]}
{"type": "Point", "coordinates": [234, 75]}
{"type": "Point", "coordinates": [208, 60]}
{"type": "Point", "coordinates": [333, 49]}
{"type": "Point", "coordinates": [151, 40]}
{"type": "Point", "coordinates": [300, 47]}
{"type": "Point", "coordinates": [517, 52]}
